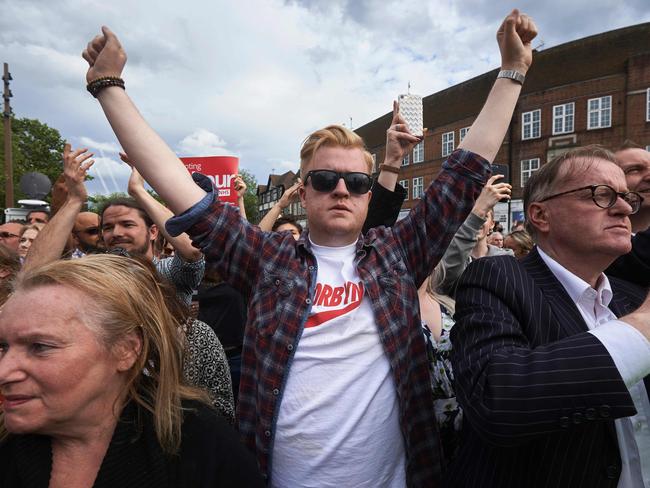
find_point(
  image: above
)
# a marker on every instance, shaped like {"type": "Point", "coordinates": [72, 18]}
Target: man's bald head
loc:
{"type": "Point", "coordinates": [86, 232]}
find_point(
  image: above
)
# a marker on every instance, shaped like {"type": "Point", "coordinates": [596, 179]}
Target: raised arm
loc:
{"type": "Point", "coordinates": [455, 259]}
{"type": "Point", "coordinates": [387, 197]}
{"type": "Point", "coordinates": [159, 214]}
{"type": "Point", "coordinates": [432, 223]}
{"type": "Point", "coordinates": [240, 188]}
{"type": "Point", "coordinates": [288, 197]}
{"type": "Point", "coordinates": [153, 158]}
{"type": "Point", "coordinates": [488, 130]}
{"type": "Point", "coordinates": [50, 242]}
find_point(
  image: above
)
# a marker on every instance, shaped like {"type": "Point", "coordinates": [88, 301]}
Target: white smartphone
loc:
{"type": "Point", "coordinates": [410, 107]}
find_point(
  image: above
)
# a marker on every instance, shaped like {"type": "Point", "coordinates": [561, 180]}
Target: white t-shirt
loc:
{"type": "Point", "coordinates": [338, 423]}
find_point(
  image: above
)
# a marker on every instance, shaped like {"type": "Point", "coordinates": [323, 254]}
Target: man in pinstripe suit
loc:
{"type": "Point", "coordinates": [554, 387]}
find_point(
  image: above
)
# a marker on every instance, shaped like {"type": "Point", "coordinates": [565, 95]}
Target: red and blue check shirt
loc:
{"type": "Point", "coordinates": [278, 276]}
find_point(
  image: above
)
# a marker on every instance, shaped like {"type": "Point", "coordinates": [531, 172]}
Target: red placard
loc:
{"type": "Point", "coordinates": [222, 170]}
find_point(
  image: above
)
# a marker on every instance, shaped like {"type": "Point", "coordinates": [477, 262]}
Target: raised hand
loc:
{"type": "Point", "coordinates": [399, 140]}
{"type": "Point", "coordinates": [240, 186]}
{"type": "Point", "coordinates": [491, 194]}
{"type": "Point", "coordinates": [136, 181]}
{"type": "Point", "coordinates": [75, 167]}
{"type": "Point", "coordinates": [291, 195]}
{"type": "Point", "coordinates": [514, 38]}
{"type": "Point", "coordinates": [105, 56]}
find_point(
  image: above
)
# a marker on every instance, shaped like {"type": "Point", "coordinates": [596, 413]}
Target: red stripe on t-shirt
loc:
{"type": "Point", "coordinates": [320, 317]}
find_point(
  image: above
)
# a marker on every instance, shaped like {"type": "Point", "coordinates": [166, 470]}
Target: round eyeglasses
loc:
{"type": "Point", "coordinates": [605, 196]}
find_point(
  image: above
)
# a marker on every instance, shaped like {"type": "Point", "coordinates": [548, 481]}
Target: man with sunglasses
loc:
{"type": "Point", "coordinates": [335, 387]}
{"type": "Point", "coordinates": [10, 235]}
{"type": "Point", "coordinates": [86, 234]}
{"type": "Point", "coordinates": [550, 380]}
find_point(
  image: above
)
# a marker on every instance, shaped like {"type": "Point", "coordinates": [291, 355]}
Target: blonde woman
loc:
{"type": "Point", "coordinates": [436, 313]}
{"type": "Point", "coordinates": [91, 375]}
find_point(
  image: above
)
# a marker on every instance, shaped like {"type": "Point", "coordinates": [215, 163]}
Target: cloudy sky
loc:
{"type": "Point", "coordinates": [252, 78]}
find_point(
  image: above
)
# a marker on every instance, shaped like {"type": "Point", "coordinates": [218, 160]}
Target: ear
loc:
{"type": "Point", "coordinates": [153, 232]}
{"type": "Point", "coordinates": [127, 351]}
{"type": "Point", "coordinates": [369, 196]}
{"type": "Point", "coordinates": [302, 193]}
{"type": "Point", "coordinates": [538, 217]}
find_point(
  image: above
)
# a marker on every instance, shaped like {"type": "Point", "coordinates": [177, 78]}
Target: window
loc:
{"type": "Point", "coordinates": [418, 152]}
{"type": "Point", "coordinates": [405, 161]}
{"type": "Point", "coordinates": [447, 143]}
{"type": "Point", "coordinates": [405, 185]}
{"type": "Point", "coordinates": [528, 167]}
{"type": "Point", "coordinates": [531, 126]}
{"type": "Point", "coordinates": [563, 118]}
{"type": "Point", "coordinates": [418, 187]}
{"type": "Point", "coordinates": [599, 112]}
{"type": "Point", "coordinates": [647, 105]}
{"type": "Point", "coordinates": [463, 133]}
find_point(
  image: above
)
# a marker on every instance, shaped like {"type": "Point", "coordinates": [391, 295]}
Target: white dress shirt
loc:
{"type": "Point", "coordinates": [630, 351]}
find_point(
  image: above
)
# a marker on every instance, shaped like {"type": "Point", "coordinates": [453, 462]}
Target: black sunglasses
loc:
{"type": "Point", "coordinates": [325, 180]}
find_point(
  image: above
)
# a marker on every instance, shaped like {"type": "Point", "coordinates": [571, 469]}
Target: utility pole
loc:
{"type": "Point", "coordinates": [6, 115]}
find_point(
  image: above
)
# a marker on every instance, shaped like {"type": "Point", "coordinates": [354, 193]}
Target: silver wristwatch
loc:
{"type": "Point", "coordinates": [512, 74]}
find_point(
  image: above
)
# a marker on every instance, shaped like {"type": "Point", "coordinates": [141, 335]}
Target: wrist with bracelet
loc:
{"type": "Point", "coordinates": [98, 84]}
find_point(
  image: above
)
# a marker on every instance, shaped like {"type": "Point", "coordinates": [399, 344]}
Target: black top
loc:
{"type": "Point", "coordinates": [635, 265]}
{"type": "Point", "coordinates": [211, 455]}
{"type": "Point", "coordinates": [223, 308]}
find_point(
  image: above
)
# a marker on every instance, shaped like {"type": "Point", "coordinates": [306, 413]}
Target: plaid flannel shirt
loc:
{"type": "Point", "coordinates": [278, 275]}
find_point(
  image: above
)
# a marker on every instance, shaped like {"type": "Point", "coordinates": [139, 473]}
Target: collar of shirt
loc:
{"type": "Point", "coordinates": [578, 289]}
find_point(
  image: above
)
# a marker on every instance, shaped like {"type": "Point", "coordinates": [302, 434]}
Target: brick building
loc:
{"type": "Point", "coordinates": [594, 90]}
{"type": "Point", "coordinates": [269, 194]}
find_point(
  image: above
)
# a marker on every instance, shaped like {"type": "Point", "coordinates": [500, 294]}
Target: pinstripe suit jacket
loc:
{"type": "Point", "coordinates": [539, 393]}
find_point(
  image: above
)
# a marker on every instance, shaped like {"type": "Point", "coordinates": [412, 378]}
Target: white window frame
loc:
{"type": "Point", "coordinates": [406, 159]}
{"type": "Point", "coordinates": [647, 105]}
{"type": "Point", "coordinates": [564, 118]}
{"type": "Point", "coordinates": [462, 133]}
{"type": "Point", "coordinates": [418, 187]}
{"type": "Point", "coordinates": [600, 112]}
{"type": "Point", "coordinates": [448, 143]}
{"type": "Point", "coordinates": [405, 185]}
{"type": "Point", "coordinates": [529, 170]}
{"type": "Point", "coordinates": [418, 152]}
{"type": "Point", "coordinates": [531, 124]}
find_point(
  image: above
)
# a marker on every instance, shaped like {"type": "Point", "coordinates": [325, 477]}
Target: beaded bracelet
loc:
{"type": "Point", "coordinates": [97, 85]}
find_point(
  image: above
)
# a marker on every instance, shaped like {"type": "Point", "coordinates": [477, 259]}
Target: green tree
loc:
{"type": "Point", "coordinates": [96, 202]}
{"type": "Point", "coordinates": [250, 199]}
{"type": "Point", "coordinates": [35, 147]}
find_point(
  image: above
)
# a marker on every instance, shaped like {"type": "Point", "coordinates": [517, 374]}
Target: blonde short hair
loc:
{"type": "Point", "coordinates": [125, 296]}
{"type": "Point", "coordinates": [331, 136]}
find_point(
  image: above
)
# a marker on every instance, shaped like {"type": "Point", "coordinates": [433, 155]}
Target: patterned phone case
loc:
{"type": "Point", "coordinates": [410, 106]}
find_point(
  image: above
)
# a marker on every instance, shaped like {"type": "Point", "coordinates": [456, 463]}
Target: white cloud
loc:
{"type": "Point", "coordinates": [254, 78]}
{"type": "Point", "coordinates": [109, 176]}
{"type": "Point", "coordinates": [109, 147]}
{"type": "Point", "coordinates": [202, 142]}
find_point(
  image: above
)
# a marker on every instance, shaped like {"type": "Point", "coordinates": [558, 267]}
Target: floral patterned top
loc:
{"type": "Point", "coordinates": [448, 413]}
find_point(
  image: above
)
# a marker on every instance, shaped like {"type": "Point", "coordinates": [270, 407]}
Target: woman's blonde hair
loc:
{"type": "Point", "coordinates": [125, 297]}
{"type": "Point", "coordinates": [434, 281]}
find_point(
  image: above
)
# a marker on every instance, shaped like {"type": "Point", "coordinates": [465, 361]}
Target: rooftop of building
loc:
{"type": "Point", "coordinates": [580, 60]}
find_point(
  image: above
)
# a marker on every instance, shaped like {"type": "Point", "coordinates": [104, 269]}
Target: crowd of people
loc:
{"type": "Point", "coordinates": [180, 345]}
